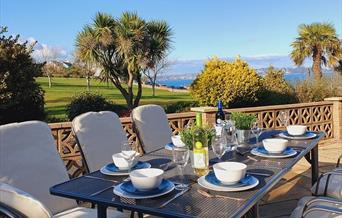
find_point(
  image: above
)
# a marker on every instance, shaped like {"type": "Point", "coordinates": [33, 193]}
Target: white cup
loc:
{"type": "Point", "coordinates": [275, 145]}
{"type": "Point", "coordinates": [296, 130]}
{"type": "Point", "coordinates": [146, 179]}
{"type": "Point", "coordinates": [121, 161]}
{"type": "Point", "coordinates": [176, 140]}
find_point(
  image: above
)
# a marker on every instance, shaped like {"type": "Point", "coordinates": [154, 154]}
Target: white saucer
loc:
{"type": "Point", "coordinates": [205, 184]}
{"type": "Point", "coordinates": [307, 135]}
{"type": "Point", "coordinates": [118, 191]}
{"type": "Point", "coordinates": [255, 152]}
{"type": "Point", "coordinates": [105, 171]}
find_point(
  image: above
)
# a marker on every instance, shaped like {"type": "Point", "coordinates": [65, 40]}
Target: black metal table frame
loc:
{"type": "Point", "coordinates": [311, 156]}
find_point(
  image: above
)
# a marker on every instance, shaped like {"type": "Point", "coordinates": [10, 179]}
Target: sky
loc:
{"type": "Point", "coordinates": [201, 29]}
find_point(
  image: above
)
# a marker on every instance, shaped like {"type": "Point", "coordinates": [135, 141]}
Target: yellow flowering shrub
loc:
{"type": "Point", "coordinates": [235, 83]}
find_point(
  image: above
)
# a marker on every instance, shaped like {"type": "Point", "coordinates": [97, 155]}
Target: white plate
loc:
{"type": "Point", "coordinates": [118, 191]}
{"type": "Point", "coordinates": [307, 135]}
{"type": "Point", "coordinates": [205, 184]}
{"type": "Point", "coordinates": [103, 170]}
{"type": "Point", "coordinates": [257, 153]}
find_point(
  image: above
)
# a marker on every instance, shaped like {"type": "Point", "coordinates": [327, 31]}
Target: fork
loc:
{"type": "Point", "coordinates": [207, 194]}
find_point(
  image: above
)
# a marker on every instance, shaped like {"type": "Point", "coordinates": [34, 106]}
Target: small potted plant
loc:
{"type": "Point", "coordinates": [243, 123]}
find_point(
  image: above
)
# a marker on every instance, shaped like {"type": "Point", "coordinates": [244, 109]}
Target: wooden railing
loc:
{"type": "Point", "coordinates": [318, 116]}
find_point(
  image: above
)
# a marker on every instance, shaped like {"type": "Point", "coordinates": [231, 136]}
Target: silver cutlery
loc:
{"type": "Point", "coordinates": [207, 194]}
{"type": "Point", "coordinates": [174, 197]}
{"type": "Point", "coordinates": [259, 174]}
{"type": "Point", "coordinates": [102, 190]}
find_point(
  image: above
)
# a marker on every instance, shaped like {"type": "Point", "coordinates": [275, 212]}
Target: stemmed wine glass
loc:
{"type": "Point", "coordinates": [180, 158]}
{"type": "Point", "coordinates": [256, 130]}
{"type": "Point", "coordinates": [284, 118]}
{"type": "Point", "coordinates": [219, 146]}
{"type": "Point", "coordinates": [128, 153]}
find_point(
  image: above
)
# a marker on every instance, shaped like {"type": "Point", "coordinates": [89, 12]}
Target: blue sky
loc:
{"type": "Point", "coordinates": [202, 29]}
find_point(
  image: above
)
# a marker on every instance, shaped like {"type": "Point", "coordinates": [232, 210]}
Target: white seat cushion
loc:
{"type": "Point", "coordinates": [100, 135]}
{"type": "Point", "coordinates": [81, 212]}
{"type": "Point", "coordinates": [30, 161]}
{"type": "Point", "coordinates": [23, 202]}
{"type": "Point", "coordinates": [152, 125]}
{"type": "Point", "coordinates": [334, 189]}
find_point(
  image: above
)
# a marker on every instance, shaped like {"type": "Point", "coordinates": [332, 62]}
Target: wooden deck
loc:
{"type": "Point", "coordinates": [282, 199]}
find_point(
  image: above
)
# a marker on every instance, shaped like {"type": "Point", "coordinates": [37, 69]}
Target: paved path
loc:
{"type": "Point", "coordinates": [282, 199]}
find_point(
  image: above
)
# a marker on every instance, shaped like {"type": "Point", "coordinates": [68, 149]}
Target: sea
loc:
{"type": "Point", "coordinates": [290, 77]}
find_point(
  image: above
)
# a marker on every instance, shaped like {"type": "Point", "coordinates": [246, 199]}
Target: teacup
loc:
{"type": "Point", "coordinates": [121, 161]}
{"type": "Point", "coordinates": [296, 130]}
{"type": "Point", "coordinates": [275, 145]}
{"type": "Point", "coordinates": [146, 179]}
{"type": "Point", "coordinates": [229, 173]}
{"type": "Point", "coordinates": [176, 140]}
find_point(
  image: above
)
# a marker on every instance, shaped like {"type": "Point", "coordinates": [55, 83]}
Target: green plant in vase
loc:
{"type": "Point", "coordinates": [187, 135]}
{"type": "Point", "coordinates": [243, 123]}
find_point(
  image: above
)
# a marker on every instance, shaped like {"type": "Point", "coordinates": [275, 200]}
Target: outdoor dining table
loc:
{"type": "Point", "coordinates": [97, 188]}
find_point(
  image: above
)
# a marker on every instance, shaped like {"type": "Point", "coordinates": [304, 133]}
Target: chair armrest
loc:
{"type": "Point", "coordinates": [323, 199]}
{"type": "Point", "coordinates": [10, 212]}
{"type": "Point", "coordinates": [323, 208]}
{"type": "Point", "coordinates": [338, 161]}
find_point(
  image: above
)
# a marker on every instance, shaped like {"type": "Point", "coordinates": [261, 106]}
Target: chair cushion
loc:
{"type": "Point", "coordinates": [299, 210]}
{"type": "Point", "coordinates": [82, 212]}
{"type": "Point", "coordinates": [153, 126]}
{"type": "Point", "coordinates": [22, 202]}
{"type": "Point", "coordinates": [30, 161]}
{"type": "Point", "coordinates": [334, 189]}
{"type": "Point", "coordinates": [100, 135]}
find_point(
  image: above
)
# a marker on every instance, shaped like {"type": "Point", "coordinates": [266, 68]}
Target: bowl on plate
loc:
{"type": "Point", "coordinates": [229, 173]}
{"type": "Point", "coordinates": [275, 145]}
{"type": "Point", "coordinates": [146, 179]}
{"type": "Point", "coordinates": [176, 140]}
{"type": "Point", "coordinates": [296, 130]}
{"type": "Point", "coordinates": [120, 160]}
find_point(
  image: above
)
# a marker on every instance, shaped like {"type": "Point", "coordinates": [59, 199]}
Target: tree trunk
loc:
{"type": "Point", "coordinates": [88, 83]}
{"type": "Point", "coordinates": [139, 93]}
{"type": "Point", "coordinates": [49, 78]}
{"type": "Point", "coordinates": [153, 90]}
{"type": "Point", "coordinates": [316, 65]}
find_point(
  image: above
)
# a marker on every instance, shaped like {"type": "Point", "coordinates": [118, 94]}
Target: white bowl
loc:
{"type": "Point", "coordinates": [146, 179]}
{"type": "Point", "coordinates": [230, 173]}
{"type": "Point", "coordinates": [121, 163]}
{"type": "Point", "coordinates": [275, 145]}
{"type": "Point", "coordinates": [296, 130]}
{"type": "Point", "coordinates": [176, 140]}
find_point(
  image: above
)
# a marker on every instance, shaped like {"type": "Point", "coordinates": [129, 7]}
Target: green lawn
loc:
{"type": "Point", "coordinates": [59, 95]}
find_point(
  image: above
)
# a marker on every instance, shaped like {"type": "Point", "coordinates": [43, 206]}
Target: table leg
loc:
{"type": "Point", "coordinates": [314, 164]}
{"type": "Point", "coordinates": [101, 211]}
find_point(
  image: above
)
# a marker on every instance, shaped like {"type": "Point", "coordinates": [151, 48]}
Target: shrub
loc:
{"type": "Point", "coordinates": [317, 90]}
{"type": "Point", "coordinates": [180, 106]}
{"type": "Point", "coordinates": [21, 98]}
{"type": "Point", "coordinates": [86, 101]}
{"type": "Point", "coordinates": [275, 89]}
{"type": "Point", "coordinates": [235, 83]}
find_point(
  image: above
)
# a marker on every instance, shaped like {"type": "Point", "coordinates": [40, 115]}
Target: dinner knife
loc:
{"type": "Point", "coordinates": [174, 197]}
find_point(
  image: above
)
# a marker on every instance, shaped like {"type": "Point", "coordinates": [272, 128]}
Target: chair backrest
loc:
{"type": "Point", "coordinates": [99, 135]}
{"type": "Point", "coordinates": [29, 161]}
{"type": "Point", "coordinates": [151, 126]}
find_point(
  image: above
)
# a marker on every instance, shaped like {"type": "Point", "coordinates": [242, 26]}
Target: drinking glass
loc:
{"type": "Point", "coordinates": [180, 158]}
{"type": "Point", "coordinates": [284, 118]}
{"type": "Point", "coordinates": [230, 135]}
{"type": "Point", "coordinates": [256, 130]}
{"type": "Point", "coordinates": [128, 153]}
{"type": "Point", "coordinates": [219, 146]}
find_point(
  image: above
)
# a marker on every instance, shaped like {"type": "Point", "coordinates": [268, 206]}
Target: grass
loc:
{"type": "Point", "coordinates": [59, 95]}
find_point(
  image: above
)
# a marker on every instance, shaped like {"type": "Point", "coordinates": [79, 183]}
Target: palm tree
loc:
{"type": "Point", "coordinates": [319, 41]}
{"type": "Point", "coordinates": [124, 48]}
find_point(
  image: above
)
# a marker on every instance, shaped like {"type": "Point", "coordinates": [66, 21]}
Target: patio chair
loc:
{"type": "Point", "coordinates": [99, 135]}
{"type": "Point", "coordinates": [29, 166]}
{"type": "Point", "coordinates": [151, 126]}
{"type": "Point", "coordinates": [317, 207]}
{"type": "Point", "coordinates": [330, 184]}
